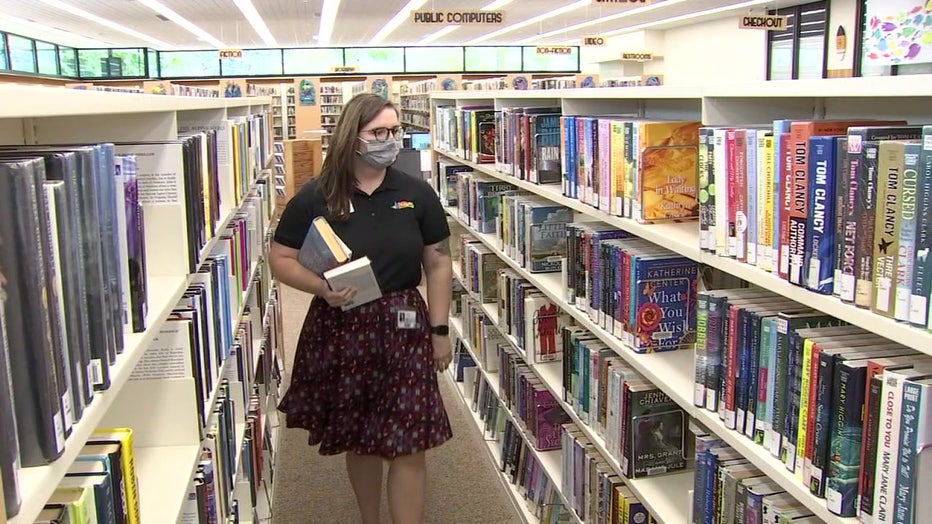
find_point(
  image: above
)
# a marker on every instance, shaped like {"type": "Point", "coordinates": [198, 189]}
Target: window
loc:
{"type": "Point", "coordinates": [68, 61]}
{"type": "Point", "coordinates": [799, 50]}
{"type": "Point", "coordinates": [47, 58]}
{"type": "Point", "coordinates": [22, 53]}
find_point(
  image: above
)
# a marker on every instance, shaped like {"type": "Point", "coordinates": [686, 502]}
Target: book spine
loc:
{"type": "Point", "coordinates": [755, 157]}
{"type": "Point", "coordinates": [869, 436]}
{"type": "Point", "coordinates": [743, 149]}
{"type": "Point", "coordinates": [886, 227]}
{"type": "Point", "coordinates": [818, 266]}
{"type": "Point", "coordinates": [887, 447]}
{"type": "Point", "coordinates": [922, 274]}
{"type": "Point", "coordinates": [799, 200]}
{"type": "Point", "coordinates": [841, 491]}
{"type": "Point", "coordinates": [906, 215]}
{"type": "Point", "coordinates": [821, 430]}
{"type": "Point", "coordinates": [906, 469]}
{"type": "Point", "coordinates": [786, 204]}
{"type": "Point", "coordinates": [704, 207]}
{"type": "Point", "coordinates": [865, 219]}
{"type": "Point", "coordinates": [702, 318]}
{"type": "Point", "coordinates": [841, 194]}
{"type": "Point", "coordinates": [765, 205]}
{"type": "Point", "coordinates": [731, 152]}
{"type": "Point", "coordinates": [715, 338]}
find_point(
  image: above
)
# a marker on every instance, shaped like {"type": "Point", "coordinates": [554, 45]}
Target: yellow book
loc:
{"type": "Point", "coordinates": [617, 178]}
{"type": "Point", "coordinates": [666, 178]}
{"type": "Point", "coordinates": [78, 502]}
{"type": "Point", "coordinates": [123, 436]}
{"type": "Point", "coordinates": [798, 458]}
{"type": "Point", "coordinates": [766, 204]}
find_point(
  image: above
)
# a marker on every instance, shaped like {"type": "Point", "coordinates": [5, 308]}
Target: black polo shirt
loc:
{"type": "Point", "coordinates": [391, 226]}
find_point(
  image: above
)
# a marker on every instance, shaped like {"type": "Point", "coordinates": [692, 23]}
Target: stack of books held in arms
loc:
{"type": "Point", "coordinates": [326, 255]}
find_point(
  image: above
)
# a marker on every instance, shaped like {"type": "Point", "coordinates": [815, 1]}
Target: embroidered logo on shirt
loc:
{"type": "Point", "coordinates": [403, 204]}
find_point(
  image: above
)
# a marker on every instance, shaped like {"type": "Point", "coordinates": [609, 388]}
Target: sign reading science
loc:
{"type": "Point", "coordinates": [459, 17]}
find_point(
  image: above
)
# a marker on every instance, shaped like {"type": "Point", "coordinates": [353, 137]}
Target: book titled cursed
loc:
{"type": "Point", "coordinates": [322, 249]}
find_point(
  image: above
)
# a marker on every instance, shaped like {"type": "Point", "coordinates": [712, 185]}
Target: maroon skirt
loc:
{"type": "Point", "coordinates": [360, 383]}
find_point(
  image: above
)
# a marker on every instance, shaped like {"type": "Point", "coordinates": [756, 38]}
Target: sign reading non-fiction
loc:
{"type": "Point", "coordinates": [637, 57]}
{"type": "Point", "coordinates": [344, 69]}
{"type": "Point", "coordinates": [765, 22]}
{"type": "Point", "coordinates": [231, 53]}
{"type": "Point", "coordinates": [554, 50]}
{"type": "Point", "coordinates": [459, 17]}
{"type": "Point", "coordinates": [593, 41]}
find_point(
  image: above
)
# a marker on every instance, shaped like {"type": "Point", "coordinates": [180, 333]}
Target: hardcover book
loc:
{"type": "Point", "coordinates": [322, 249]}
{"type": "Point", "coordinates": [358, 275]}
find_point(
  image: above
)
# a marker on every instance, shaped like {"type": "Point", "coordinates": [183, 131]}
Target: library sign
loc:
{"type": "Point", "coordinates": [344, 69]}
{"type": "Point", "coordinates": [593, 41]}
{"type": "Point", "coordinates": [459, 17]}
{"type": "Point", "coordinates": [763, 22]}
{"type": "Point", "coordinates": [637, 57]}
{"type": "Point", "coordinates": [231, 53]}
{"type": "Point", "coordinates": [554, 50]}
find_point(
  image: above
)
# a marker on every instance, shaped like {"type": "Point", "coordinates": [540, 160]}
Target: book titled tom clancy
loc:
{"type": "Point", "coordinates": [322, 249]}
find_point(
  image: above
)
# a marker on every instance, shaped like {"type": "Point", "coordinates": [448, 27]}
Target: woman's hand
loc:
{"type": "Point", "coordinates": [443, 351]}
{"type": "Point", "coordinates": [338, 297]}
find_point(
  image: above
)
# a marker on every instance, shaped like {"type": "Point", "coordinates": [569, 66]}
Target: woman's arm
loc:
{"type": "Point", "coordinates": [438, 266]}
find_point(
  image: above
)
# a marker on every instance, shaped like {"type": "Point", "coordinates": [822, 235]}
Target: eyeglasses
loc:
{"type": "Point", "coordinates": [381, 134]}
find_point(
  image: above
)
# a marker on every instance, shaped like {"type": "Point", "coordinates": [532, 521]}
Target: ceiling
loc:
{"type": "Point", "coordinates": [201, 24]}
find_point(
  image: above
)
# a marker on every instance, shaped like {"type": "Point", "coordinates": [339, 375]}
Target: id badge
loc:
{"type": "Point", "coordinates": [407, 319]}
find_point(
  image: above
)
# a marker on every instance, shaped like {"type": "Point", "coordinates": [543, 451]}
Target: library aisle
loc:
{"type": "Point", "coordinates": [312, 489]}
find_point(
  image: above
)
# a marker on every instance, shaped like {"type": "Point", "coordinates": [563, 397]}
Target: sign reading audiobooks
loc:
{"type": "Point", "coordinates": [344, 69]}
{"type": "Point", "coordinates": [231, 53]}
{"type": "Point", "coordinates": [637, 57]}
{"type": "Point", "coordinates": [554, 50]}
{"type": "Point", "coordinates": [593, 41]}
{"type": "Point", "coordinates": [765, 22]}
{"type": "Point", "coordinates": [459, 17]}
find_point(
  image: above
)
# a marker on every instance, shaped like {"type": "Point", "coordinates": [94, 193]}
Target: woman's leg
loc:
{"type": "Point", "coordinates": [365, 474]}
{"type": "Point", "coordinates": [407, 488]}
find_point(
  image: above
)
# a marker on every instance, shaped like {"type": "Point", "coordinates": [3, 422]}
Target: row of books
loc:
{"type": "Point", "coordinates": [728, 488]}
{"type": "Point", "coordinates": [100, 486]}
{"type": "Point", "coordinates": [843, 409]}
{"type": "Point", "coordinates": [636, 168]}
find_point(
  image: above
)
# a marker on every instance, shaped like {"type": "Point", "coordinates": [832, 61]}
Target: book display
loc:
{"type": "Point", "coordinates": [589, 241]}
{"type": "Point", "coordinates": [139, 319]}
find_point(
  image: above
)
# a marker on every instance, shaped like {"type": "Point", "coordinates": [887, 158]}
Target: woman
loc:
{"type": "Point", "coordinates": [364, 380]}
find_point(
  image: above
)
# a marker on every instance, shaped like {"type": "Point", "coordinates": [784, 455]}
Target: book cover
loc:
{"type": "Point", "coordinates": [358, 275]}
{"type": "Point", "coordinates": [545, 236]}
{"type": "Point", "coordinates": [664, 303]}
{"type": "Point", "coordinates": [322, 249]}
{"type": "Point", "coordinates": [656, 442]}
{"type": "Point", "coordinates": [667, 171]}
{"type": "Point", "coordinates": [907, 219]}
{"type": "Point", "coordinates": [886, 225]}
{"type": "Point", "coordinates": [819, 254]}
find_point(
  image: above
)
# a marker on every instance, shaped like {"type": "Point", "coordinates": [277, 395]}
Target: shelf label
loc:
{"type": "Point", "coordinates": [231, 53]}
{"type": "Point", "coordinates": [637, 57]}
{"type": "Point", "coordinates": [554, 50]}
{"type": "Point", "coordinates": [593, 41]}
{"type": "Point", "coordinates": [344, 69]}
{"type": "Point", "coordinates": [459, 17]}
{"type": "Point", "coordinates": [764, 22]}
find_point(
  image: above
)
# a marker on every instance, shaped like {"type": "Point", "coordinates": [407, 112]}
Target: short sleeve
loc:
{"type": "Point", "coordinates": [433, 220]}
{"type": "Point", "coordinates": [297, 216]}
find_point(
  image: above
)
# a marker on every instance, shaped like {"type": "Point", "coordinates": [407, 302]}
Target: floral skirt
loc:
{"type": "Point", "coordinates": [363, 384]}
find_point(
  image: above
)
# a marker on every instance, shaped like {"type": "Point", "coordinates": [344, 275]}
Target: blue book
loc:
{"type": "Point", "coordinates": [819, 261]}
{"type": "Point", "coordinates": [663, 303]}
{"type": "Point", "coordinates": [905, 263]}
{"type": "Point", "coordinates": [570, 180]}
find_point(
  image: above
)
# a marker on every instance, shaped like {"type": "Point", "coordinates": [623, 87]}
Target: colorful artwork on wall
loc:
{"type": "Point", "coordinates": [898, 32]}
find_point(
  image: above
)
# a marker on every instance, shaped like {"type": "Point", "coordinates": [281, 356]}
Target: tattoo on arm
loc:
{"type": "Point", "coordinates": [443, 247]}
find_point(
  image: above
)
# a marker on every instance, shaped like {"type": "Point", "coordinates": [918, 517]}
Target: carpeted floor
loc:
{"type": "Point", "coordinates": [311, 489]}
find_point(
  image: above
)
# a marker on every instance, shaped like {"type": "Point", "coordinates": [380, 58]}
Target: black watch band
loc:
{"type": "Point", "coordinates": [442, 330]}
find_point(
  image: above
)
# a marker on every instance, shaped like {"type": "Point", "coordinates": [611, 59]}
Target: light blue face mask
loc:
{"type": "Point", "coordinates": [380, 154]}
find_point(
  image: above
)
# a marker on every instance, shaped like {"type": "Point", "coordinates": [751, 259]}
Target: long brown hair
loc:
{"type": "Point", "coordinates": [336, 179]}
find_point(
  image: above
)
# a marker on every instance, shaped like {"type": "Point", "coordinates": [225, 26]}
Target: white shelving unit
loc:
{"type": "Point", "coordinates": [165, 457]}
{"type": "Point", "coordinates": [904, 98]}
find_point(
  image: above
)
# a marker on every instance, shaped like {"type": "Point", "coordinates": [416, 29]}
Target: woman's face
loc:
{"type": "Point", "coordinates": [381, 127]}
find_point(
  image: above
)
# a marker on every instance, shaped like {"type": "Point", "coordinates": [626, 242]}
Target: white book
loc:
{"type": "Point", "coordinates": [358, 275]}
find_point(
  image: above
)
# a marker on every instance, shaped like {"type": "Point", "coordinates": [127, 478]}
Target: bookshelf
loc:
{"type": "Point", "coordinates": [162, 411]}
{"type": "Point", "coordinates": [673, 372]}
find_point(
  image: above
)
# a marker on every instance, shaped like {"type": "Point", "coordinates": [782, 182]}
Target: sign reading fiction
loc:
{"type": "Point", "coordinates": [593, 41]}
{"type": "Point", "coordinates": [231, 53]}
{"type": "Point", "coordinates": [344, 69]}
{"type": "Point", "coordinates": [765, 22]}
{"type": "Point", "coordinates": [554, 50]}
{"type": "Point", "coordinates": [637, 57]}
{"type": "Point", "coordinates": [459, 17]}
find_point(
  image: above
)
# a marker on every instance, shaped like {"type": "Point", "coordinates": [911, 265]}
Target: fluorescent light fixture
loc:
{"type": "Point", "coordinates": [43, 32]}
{"type": "Point", "coordinates": [497, 4]}
{"type": "Point", "coordinates": [689, 16]}
{"type": "Point", "coordinates": [256, 21]}
{"type": "Point", "coordinates": [165, 11]}
{"type": "Point", "coordinates": [400, 17]}
{"type": "Point", "coordinates": [598, 21]}
{"type": "Point", "coordinates": [107, 23]}
{"type": "Point", "coordinates": [438, 34]}
{"type": "Point", "coordinates": [530, 21]}
{"type": "Point", "coordinates": [328, 17]}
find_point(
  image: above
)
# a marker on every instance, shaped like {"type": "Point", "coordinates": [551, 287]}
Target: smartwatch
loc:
{"type": "Point", "coordinates": [442, 330]}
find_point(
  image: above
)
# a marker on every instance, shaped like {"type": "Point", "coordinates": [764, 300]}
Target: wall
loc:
{"type": "Point", "coordinates": [709, 52]}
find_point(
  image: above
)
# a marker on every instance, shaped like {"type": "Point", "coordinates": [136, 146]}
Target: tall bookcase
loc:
{"type": "Point", "coordinates": [669, 497]}
{"type": "Point", "coordinates": [153, 385]}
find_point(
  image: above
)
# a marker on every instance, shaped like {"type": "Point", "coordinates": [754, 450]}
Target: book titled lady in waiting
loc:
{"type": "Point", "coordinates": [326, 255]}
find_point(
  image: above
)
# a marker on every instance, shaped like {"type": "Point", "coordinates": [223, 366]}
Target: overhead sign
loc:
{"type": "Point", "coordinates": [459, 17]}
{"type": "Point", "coordinates": [764, 22]}
{"type": "Point", "coordinates": [344, 69]}
{"type": "Point", "coordinates": [593, 41]}
{"type": "Point", "coordinates": [231, 53]}
{"type": "Point", "coordinates": [637, 57]}
{"type": "Point", "coordinates": [554, 50]}
{"type": "Point", "coordinates": [622, 3]}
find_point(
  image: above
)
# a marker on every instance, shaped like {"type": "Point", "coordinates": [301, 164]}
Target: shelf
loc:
{"type": "Point", "coordinates": [910, 86]}
{"type": "Point", "coordinates": [164, 475]}
{"type": "Point", "coordinates": [682, 238]}
{"type": "Point", "coordinates": [23, 101]}
{"type": "Point", "coordinates": [594, 93]}
{"type": "Point", "coordinates": [38, 483]}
